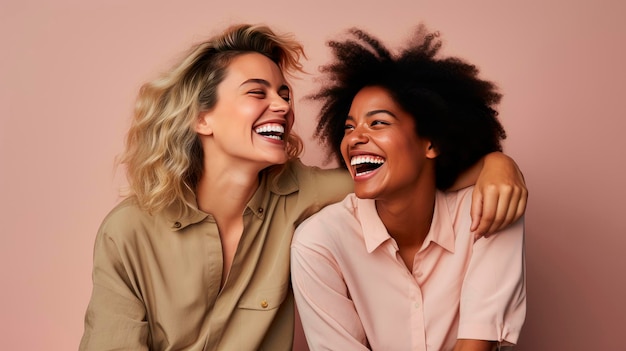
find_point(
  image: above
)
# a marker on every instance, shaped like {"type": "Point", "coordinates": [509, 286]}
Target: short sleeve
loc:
{"type": "Point", "coordinates": [493, 297]}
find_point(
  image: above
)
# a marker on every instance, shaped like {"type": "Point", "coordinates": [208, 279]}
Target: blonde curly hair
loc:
{"type": "Point", "coordinates": [163, 155]}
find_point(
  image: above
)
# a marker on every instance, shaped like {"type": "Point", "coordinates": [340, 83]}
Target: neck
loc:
{"type": "Point", "coordinates": [225, 191]}
{"type": "Point", "coordinates": [408, 217]}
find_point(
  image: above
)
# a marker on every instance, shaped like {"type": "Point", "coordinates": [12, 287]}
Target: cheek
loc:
{"type": "Point", "coordinates": [409, 159]}
{"type": "Point", "coordinates": [241, 109]}
{"type": "Point", "coordinates": [406, 145]}
{"type": "Point", "coordinates": [390, 139]}
{"type": "Point", "coordinates": [245, 112]}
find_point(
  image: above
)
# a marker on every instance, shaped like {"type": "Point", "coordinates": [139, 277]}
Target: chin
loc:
{"type": "Point", "coordinates": [365, 194]}
{"type": "Point", "coordinates": [279, 160]}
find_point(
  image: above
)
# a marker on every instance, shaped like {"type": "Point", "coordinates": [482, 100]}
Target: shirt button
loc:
{"type": "Point", "coordinates": [177, 225]}
{"type": "Point", "coordinates": [260, 209]}
{"type": "Point", "coordinates": [417, 305]}
{"type": "Point", "coordinates": [418, 274]}
{"type": "Point", "coordinates": [264, 304]}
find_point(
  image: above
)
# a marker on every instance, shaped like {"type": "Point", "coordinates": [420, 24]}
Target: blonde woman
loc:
{"type": "Point", "coordinates": [197, 256]}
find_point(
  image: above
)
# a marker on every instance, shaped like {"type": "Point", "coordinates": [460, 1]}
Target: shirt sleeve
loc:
{"type": "Point", "coordinates": [116, 317]}
{"type": "Point", "coordinates": [493, 297]}
{"type": "Point", "coordinates": [328, 315]}
{"type": "Point", "coordinates": [320, 187]}
{"type": "Point", "coordinates": [333, 186]}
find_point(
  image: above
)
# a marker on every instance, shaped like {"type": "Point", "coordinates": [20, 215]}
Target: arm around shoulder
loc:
{"type": "Point", "coordinates": [500, 194]}
{"type": "Point", "coordinates": [332, 185]}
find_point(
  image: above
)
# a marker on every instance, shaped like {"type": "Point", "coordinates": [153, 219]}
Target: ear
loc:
{"type": "Point", "coordinates": [204, 123]}
{"type": "Point", "coordinates": [431, 150]}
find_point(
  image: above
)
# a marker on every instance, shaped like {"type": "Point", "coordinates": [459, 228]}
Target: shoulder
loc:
{"type": "Point", "coordinates": [124, 213]}
{"type": "Point", "coordinates": [336, 213]}
{"type": "Point", "coordinates": [124, 221]}
{"type": "Point", "coordinates": [329, 224]}
{"type": "Point", "coordinates": [452, 218]}
{"type": "Point", "coordinates": [457, 203]}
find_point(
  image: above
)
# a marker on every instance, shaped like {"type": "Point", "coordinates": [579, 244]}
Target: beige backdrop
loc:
{"type": "Point", "coordinates": [69, 71]}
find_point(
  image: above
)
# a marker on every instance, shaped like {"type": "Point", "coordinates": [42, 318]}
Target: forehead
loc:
{"type": "Point", "coordinates": [253, 66]}
{"type": "Point", "coordinates": [373, 101]}
{"type": "Point", "coordinates": [374, 97]}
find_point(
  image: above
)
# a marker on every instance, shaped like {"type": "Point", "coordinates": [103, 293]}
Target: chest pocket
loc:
{"type": "Point", "coordinates": [263, 298]}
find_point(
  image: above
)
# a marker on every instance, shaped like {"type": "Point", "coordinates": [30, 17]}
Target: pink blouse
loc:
{"type": "Point", "coordinates": [354, 292]}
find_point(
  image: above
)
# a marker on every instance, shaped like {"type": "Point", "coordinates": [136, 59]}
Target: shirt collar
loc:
{"type": "Point", "coordinates": [177, 219]}
{"type": "Point", "coordinates": [374, 232]}
{"type": "Point", "coordinates": [441, 229]}
{"type": "Point", "coordinates": [279, 180]}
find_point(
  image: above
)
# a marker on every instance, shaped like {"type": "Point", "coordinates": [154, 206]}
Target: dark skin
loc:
{"type": "Point", "coordinates": [404, 186]}
{"type": "Point", "coordinates": [500, 194]}
{"type": "Point", "coordinates": [474, 345]}
{"type": "Point", "coordinates": [408, 220]}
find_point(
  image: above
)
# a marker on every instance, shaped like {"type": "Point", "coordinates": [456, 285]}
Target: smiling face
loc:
{"type": "Point", "coordinates": [382, 150]}
{"type": "Point", "coordinates": [252, 116]}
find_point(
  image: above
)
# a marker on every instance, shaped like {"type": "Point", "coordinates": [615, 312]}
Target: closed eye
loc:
{"type": "Point", "coordinates": [262, 94]}
{"type": "Point", "coordinates": [258, 93]}
{"type": "Point", "coordinates": [379, 122]}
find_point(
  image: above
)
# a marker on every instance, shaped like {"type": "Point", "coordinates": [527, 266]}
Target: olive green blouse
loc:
{"type": "Point", "coordinates": [156, 278]}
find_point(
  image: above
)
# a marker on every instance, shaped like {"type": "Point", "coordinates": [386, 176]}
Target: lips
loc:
{"type": "Point", "coordinates": [364, 164]}
{"type": "Point", "coordinates": [271, 130]}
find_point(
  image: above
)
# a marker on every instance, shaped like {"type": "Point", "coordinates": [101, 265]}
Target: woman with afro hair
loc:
{"type": "Point", "coordinates": [396, 265]}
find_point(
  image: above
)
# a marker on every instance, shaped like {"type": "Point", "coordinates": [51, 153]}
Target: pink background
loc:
{"type": "Point", "coordinates": [69, 71]}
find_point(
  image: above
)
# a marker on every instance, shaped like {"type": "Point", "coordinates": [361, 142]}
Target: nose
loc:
{"type": "Point", "coordinates": [280, 105]}
{"type": "Point", "coordinates": [356, 136]}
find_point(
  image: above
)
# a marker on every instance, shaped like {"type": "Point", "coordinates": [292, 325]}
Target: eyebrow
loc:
{"type": "Point", "coordinates": [265, 83]}
{"type": "Point", "coordinates": [375, 112]}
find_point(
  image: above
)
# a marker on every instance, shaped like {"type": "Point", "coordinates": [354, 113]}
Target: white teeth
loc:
{"type": "Point", "coordinates": [357, 160]}
{"type": "Point", "coordinates": [270, 128]}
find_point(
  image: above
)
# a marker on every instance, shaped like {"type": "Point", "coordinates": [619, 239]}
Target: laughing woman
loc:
{"type": "Point", "coordinates": [395, 265]}
{"type": "Point", "coordinates": [197, 256]}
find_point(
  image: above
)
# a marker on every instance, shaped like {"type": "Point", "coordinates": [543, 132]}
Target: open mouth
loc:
{"type": "Point", "coordinates": [366, 164]}
{"type": "Point", "coordinates": [271, 130]}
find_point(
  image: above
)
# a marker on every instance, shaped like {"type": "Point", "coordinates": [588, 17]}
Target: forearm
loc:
{"type": "Point", "coordinates": [469, 176]}
{"type": "Point", "coordinates": [474, 345]}
{"type": "Point", "coordinates": [494, 161]}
